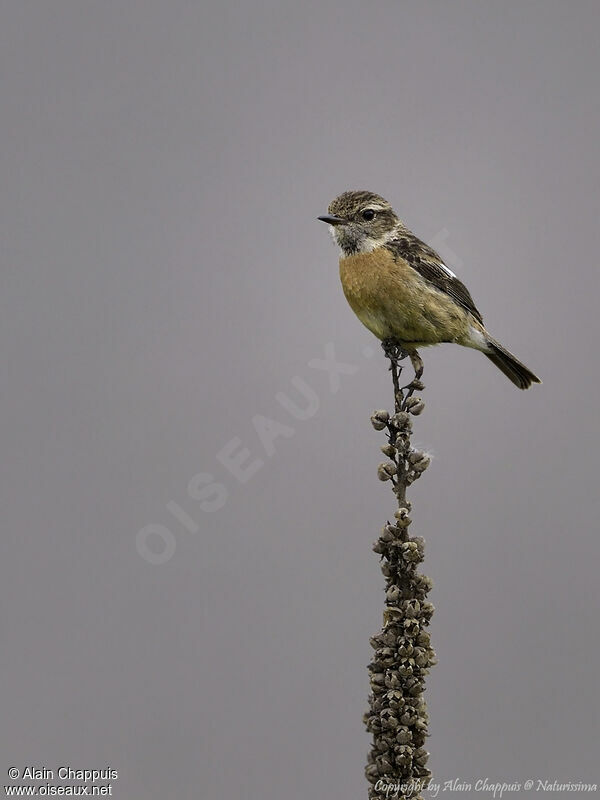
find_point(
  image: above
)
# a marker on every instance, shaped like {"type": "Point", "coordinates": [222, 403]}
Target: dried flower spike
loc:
{"type": "Point", "coordinates": [402, 655]}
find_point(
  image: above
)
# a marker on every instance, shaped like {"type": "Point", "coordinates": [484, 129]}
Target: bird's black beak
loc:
{"type": "Point", "coordinates": [332, 220]}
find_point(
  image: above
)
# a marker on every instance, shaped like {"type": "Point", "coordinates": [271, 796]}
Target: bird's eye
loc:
{"type": "Point", "coordinates": [368, 214]}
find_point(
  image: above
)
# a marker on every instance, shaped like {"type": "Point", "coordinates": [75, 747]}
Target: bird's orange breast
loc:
{"type": "Point", "coordinates": [392, 300]}
{"type": "Point", "coordinates": [377, 289]}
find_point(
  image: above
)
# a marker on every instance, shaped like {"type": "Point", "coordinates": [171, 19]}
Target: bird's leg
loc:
{"type": "Point", "coordinates": [416, 383]}
{"type": "Point", "coordinates": [395, 352]}
{"type": "Point", "coordinates": [417, 364]}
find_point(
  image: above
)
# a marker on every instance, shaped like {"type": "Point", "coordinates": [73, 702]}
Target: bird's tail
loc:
{"type": "Point", "coordinates": [517, 372]}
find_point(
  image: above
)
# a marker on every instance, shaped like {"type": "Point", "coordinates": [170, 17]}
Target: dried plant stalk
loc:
{"type": "Point", "coordinates": [397, 715]}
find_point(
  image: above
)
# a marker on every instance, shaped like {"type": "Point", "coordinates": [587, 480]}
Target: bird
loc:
{"type": "Point", "coordinates": [401, 289]}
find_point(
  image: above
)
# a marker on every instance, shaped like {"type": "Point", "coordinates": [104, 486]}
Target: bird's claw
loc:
{"type": "Point", "coordinates": [394, 351]}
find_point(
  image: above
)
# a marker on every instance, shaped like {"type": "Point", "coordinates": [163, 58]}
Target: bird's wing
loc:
{"type": "Point", "coordinates": [430, 266]}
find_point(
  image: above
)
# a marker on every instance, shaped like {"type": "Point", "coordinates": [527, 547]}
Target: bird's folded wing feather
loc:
{"type": "Point", "coordinates": [430, 266]}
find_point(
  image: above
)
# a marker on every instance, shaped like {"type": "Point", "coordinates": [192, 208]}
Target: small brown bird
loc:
{"type": "Point", "coordinates": [400, 288]}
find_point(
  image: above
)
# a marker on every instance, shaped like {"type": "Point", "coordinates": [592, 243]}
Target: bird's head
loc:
{"type": "Point", "coordinates": [360, 221]}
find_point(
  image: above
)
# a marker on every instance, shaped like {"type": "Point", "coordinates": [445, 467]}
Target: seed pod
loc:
{"type": "Point", "coordinates": [383, 765]}
{"type": "Point", "coordinates": [392, 595]}
{"type": "Point", "coordinates": [414, 686]}
{"type": "Point", "coordinates": [379, 419]}
{"type": "Point", "coordinates": [386, 470]}
{"type": "Point", "coordinates": [402, 438]}
{"type": "Point", "coordinates": [402, 516]}
{"type": "Point", "coordinates": [403, 736]}
{"type": "Point", "coordinates": [388, 638]}
{"type": "Point", "coordinates": [422, 464]}
{"type": "Point", "coordinates": [421, 657]}
{"type": "Point", "coordinates": [414, 405]}
{"type": "Point", "coordinates": [403, 754]}
{"type": "Point", "coordinates": [401, 421]}
{"type": "Point", "coordinates": [411, 608]}
{"type": "Point", "coordinates": [411, 627]}
{"type": "Point", "coordinates": [392, 680]}
{"type": "Point", "coordinates": [391, 531]}
{"type": "Point", "coordinates": [382, 744]}
{"type": "Point", "coordinates": [385, 656]}
{"type": "Point", "coordinates": [420, 542]}
{"type": "Point", "coordinates": [392, 616]}
{"type": "Point", "coordinates": [395, 698]}
{"type": "Point", "coordinates": [423, 584]}
{"type": "Point", "coordinates": [373, 724]}
{"type": "Point", "coordinates": [427, 609]}
{"type": "Point", "coordinates": [410, 552]}
{"type": "Point", "coordinates": [388, 719]}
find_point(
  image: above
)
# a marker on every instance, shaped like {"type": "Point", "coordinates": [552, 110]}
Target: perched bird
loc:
{"type": "Point", "coordinates": [400, 288]}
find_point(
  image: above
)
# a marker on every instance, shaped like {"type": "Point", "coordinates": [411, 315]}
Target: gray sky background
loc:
{"type": "Point", "coordinates": [164, 277]}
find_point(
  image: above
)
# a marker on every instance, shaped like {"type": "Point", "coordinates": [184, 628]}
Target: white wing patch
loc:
{"type": "Point", "coordinates": [446, 270]}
